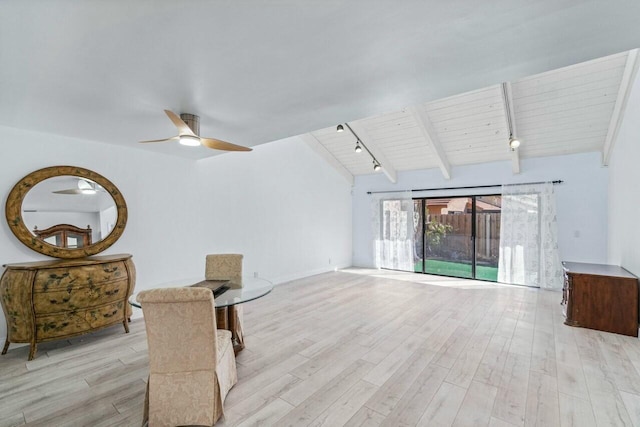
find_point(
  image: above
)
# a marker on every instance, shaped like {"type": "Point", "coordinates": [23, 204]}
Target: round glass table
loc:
{"type": "Point", "coordinates": [227, 301]}
{"type": "Point", "coordinates": [252, 288]}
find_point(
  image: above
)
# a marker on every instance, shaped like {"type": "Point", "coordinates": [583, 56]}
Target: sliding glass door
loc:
{"type": "Point", "coordinates": [487, 236]}
{"type": "Point", "coordinates": [448, 237]}
{"type": "Point", "coordinates": [458, 236]}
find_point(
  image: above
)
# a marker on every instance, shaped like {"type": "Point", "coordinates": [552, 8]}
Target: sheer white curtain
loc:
{"type": "Point", "coordinates": [393, 231]}
{"type": "Point", "coordinates": [528, 237]}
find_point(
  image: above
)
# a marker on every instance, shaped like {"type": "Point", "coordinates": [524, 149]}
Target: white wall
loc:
{"type": "Point", "coordinates": [581, 200]}
{"type": "Point", "coordinates": [280, 205]}
{"type": "Point", "coordinates": [108, 219]}
{"type": "Point", "coordinates": [624, 191]}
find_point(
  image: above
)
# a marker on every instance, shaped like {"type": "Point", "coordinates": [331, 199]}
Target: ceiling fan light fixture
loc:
{"type": "Point", "coordinates": [86, 187]}
{"type": "Point", "coordinates": [188, 134]}
{"type": "Point", "coordinates": [340, 128]}
{"type": "Point", "coordinates": [189, 140]}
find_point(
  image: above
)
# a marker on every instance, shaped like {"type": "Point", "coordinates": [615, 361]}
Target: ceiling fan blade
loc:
{"type": "Point", "coordinates": [217, 144]}
{"type": "Point", "coordinates": [69, 191]}
{"type": "Point", "coordinates": [180, 124]}
{"type": "Point", "coordinates": [173, 138]}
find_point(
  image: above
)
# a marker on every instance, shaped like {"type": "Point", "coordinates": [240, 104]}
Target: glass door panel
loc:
{"type": "Point", "coordinates": [487, 239]}
{"type": "Point", "coordinates": [418, 224]}
{"type": "Point", "coordinates": [448, 236]}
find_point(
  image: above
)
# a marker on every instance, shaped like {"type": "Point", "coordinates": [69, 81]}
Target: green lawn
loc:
{"type": "Point", "coordinates": [458, 269]}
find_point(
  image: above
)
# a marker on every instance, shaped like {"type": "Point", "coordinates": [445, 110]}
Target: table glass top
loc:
{"type": "Point", "coordinates": [252, 288]}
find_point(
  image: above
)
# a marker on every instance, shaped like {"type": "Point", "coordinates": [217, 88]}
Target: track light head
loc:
{"type": "Point", "coordinates": [514, 143]}
{"type": "Point", "coordinates": [376, 166]}
{"type": "Point", "coordinates": [358, 147]}
{"type": "Point", "coordinates": [339, 128]}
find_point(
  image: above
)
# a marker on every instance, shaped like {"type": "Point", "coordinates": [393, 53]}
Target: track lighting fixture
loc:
{"type": "Point", "coordinates": [514, 142]}
{"type": "Point", "coordinates": [360, 145]}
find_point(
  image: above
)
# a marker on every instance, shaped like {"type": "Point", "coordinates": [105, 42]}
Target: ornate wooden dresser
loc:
{"type": "Point", "coordinates": [57, 299]}
{"type": "Point", "coordinates": [602, 297]}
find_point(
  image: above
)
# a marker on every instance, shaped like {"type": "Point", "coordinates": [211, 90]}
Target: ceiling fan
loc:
{"type": "Point", "coordinates": [84, 187]}
{"type": "Point", "coordinates": [188, 134]}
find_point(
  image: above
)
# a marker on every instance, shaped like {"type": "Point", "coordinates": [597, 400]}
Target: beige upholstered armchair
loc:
{"type": "Point", "coordinates": [228, 267]}
{"type": "Point", "coordinates": [192, 366]}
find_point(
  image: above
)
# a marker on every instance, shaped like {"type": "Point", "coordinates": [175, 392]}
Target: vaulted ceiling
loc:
{"type": "Point", "coordinates": [574, 109]}
{"type": "Point", "coordinates": [257, 71]}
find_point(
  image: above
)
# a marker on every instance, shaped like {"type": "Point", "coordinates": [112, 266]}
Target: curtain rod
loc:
{"type": "Point", "coordinates": [558, 181]}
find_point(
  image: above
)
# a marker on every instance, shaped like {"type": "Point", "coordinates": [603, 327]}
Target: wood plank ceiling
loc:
{"type": "Point", "coordinates": [569, 110]}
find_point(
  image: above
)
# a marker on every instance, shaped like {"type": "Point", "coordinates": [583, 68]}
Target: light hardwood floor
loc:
{"type": "Point", "coordinates": [361, 348]}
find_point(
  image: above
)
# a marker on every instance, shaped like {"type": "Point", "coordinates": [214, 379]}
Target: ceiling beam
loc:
{"type": "Point", "coordinates": [386, 165]}
{"type": "Point", "coordinates": [313, 142]}
{"type": "Point", "coordinates": [510, 117]}
{"type": "Point", "coordinates": [429, 134]}
{"type": "Point", "coordinates": [628, 77]}
{"type": "Point", "coordinates": [515, 161]}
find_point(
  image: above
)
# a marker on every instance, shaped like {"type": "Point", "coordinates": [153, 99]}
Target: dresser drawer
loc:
{"type": "Point", "coordinates": [56, 301]}
{"type": "Point", "coordinates": [56, 279]}
{"type": "Point", "coordinates": [80, 321]}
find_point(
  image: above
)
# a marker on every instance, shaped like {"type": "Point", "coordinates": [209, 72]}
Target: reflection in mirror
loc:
{"type": "Point", "coordinates": [65, 236]}
{"type": "Point", "coordinates": [69, 211]}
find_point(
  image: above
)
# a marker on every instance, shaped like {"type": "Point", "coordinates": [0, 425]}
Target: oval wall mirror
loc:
{"type": "Point", "coordinates": [66, 212]}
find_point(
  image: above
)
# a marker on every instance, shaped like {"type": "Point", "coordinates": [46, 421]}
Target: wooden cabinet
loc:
{"type": "Point", "coordinates": [65, 236]}
{"type": "Point", "coordinates": [602, 297]}
{"type": "Point", "coordinates": [51, 300]}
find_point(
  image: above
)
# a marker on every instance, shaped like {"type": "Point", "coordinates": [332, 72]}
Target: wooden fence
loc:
{"type": "Point", "coordinates": [456, 244]}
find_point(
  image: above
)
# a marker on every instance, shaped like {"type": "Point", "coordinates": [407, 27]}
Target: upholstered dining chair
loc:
{"type": "Point", "coordinates": [192, 365]}
{"type": "Point", "coordinates": [225, 267]}
{"type": "Point", "coordinates": [228, 267]}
